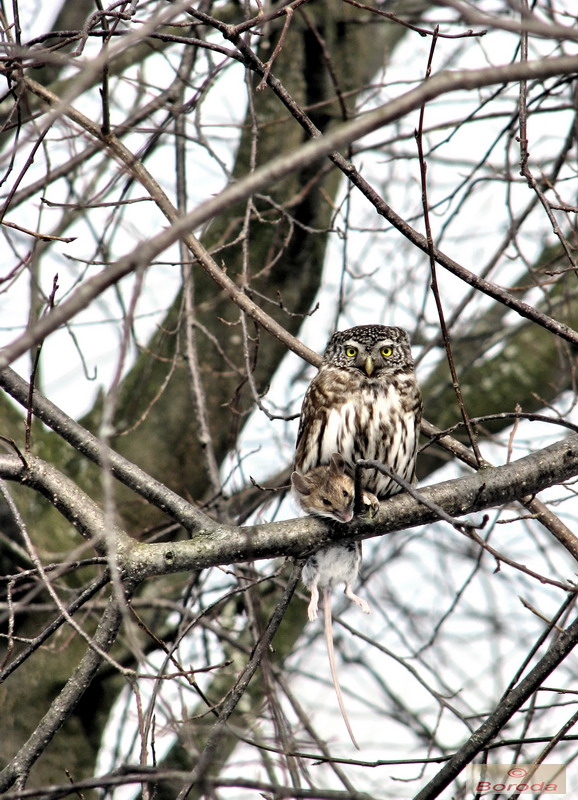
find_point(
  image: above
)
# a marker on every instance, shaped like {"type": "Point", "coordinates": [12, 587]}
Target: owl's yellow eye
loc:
{"type": "Point", "coordinates": [351, 352]}
{"type": "Point", "coordinates": [386, 351]}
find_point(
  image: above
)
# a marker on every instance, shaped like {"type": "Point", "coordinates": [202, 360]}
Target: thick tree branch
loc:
{"type": "Point", "coordinates": [225, 544]}
{"type": "Point", "coordinates": [74, 504]}
{"type": "Point", "coordinates": [86, 516]}
{"type": "Point", "coordinates": [94, 449]}
{"type": "Point", "coordinates": [487, 488]}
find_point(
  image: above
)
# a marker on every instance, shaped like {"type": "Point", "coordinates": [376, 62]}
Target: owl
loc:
{"type": "Point", "coordinates": [364, 403]}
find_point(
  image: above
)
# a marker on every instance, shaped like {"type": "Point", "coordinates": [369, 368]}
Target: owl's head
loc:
{"type": "Point", "coordinates": [371, 349]}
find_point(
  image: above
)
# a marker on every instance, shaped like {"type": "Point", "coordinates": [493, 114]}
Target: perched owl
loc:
{"type": "Point", "coordinates": [364, 403]}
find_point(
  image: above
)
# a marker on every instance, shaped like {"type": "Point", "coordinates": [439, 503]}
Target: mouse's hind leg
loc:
{"type": "Point", "coordinates": [359, 601]}
{"type": "Point", "coordinates": [313, 602]}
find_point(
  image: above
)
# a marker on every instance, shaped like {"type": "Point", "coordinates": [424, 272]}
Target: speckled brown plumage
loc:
{"type": "Point", "coordinates": [365, 404]}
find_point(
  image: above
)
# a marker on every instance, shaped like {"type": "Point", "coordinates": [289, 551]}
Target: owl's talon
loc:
{"type": "Point", "coordinates": [370, 506]}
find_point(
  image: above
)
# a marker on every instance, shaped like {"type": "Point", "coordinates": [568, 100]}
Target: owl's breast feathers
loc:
{"type": "Point", "coordinates": [361, 417]}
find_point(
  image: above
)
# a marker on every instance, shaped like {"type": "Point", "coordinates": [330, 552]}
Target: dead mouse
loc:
{"type": "Point", "coordinates": [327, 491]}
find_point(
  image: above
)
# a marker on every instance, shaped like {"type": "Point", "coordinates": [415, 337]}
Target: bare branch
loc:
{"type": "Point", "coordinates": [19, 767]}
{"type": "Point", "coordinates": [90, 446]}
{"type": "Point", "coordinates": [505, 710]}
{"type": "Point", "coordinates": [270, 173]}
{"type": "Point", "coordinates": [487, 488]}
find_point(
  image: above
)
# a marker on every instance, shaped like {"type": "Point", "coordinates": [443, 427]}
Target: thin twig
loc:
{"type": "Point", "coordinates": [44, 237]}
{"type": "Point", "coordinates": [261, 19]}
{"type": "Point", "coordinates": [209, 752]}
{"type": "Point", "coordinates": [541, 616]}
{"type": "Point", "coordinates": [13, 446]}
{"type": "Point", "coordinates": [432, 260]}
{"type": "Point", "coordinates": [525, 170]}
{"type": "Point", "coordinates": [422, 31]}
{"type": "Point", "coordinates": [33, 374]}
{"type": "Point", "coordinates": [502, 416]}
{"type": "Point", "coordinates": [204, 435]}
{"type": "Point", "coordinates": [463, 526]}
{"type": "Point", "coordinates": [278, 47]}
{"type": "Point", "coordinates": [565, 606]}
{"type": "Point", "coordinates": [104, 91]}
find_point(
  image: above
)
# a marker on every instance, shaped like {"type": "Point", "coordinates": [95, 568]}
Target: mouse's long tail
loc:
{"type": "Point", "coordinates": [331, 652]}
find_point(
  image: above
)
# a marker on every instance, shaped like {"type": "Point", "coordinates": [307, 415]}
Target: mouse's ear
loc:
{"type": "Point", "coordinates": [337, 464]}
{"type": "Point", "coordinates": [300, 484]}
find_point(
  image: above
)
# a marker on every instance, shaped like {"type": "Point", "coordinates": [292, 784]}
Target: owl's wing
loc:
{"type": "Point", "coordinates": [311, 423]}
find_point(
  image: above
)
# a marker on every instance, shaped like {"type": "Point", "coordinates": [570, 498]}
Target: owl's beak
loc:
{"type": "Point", "coordinates": [369, 366]}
